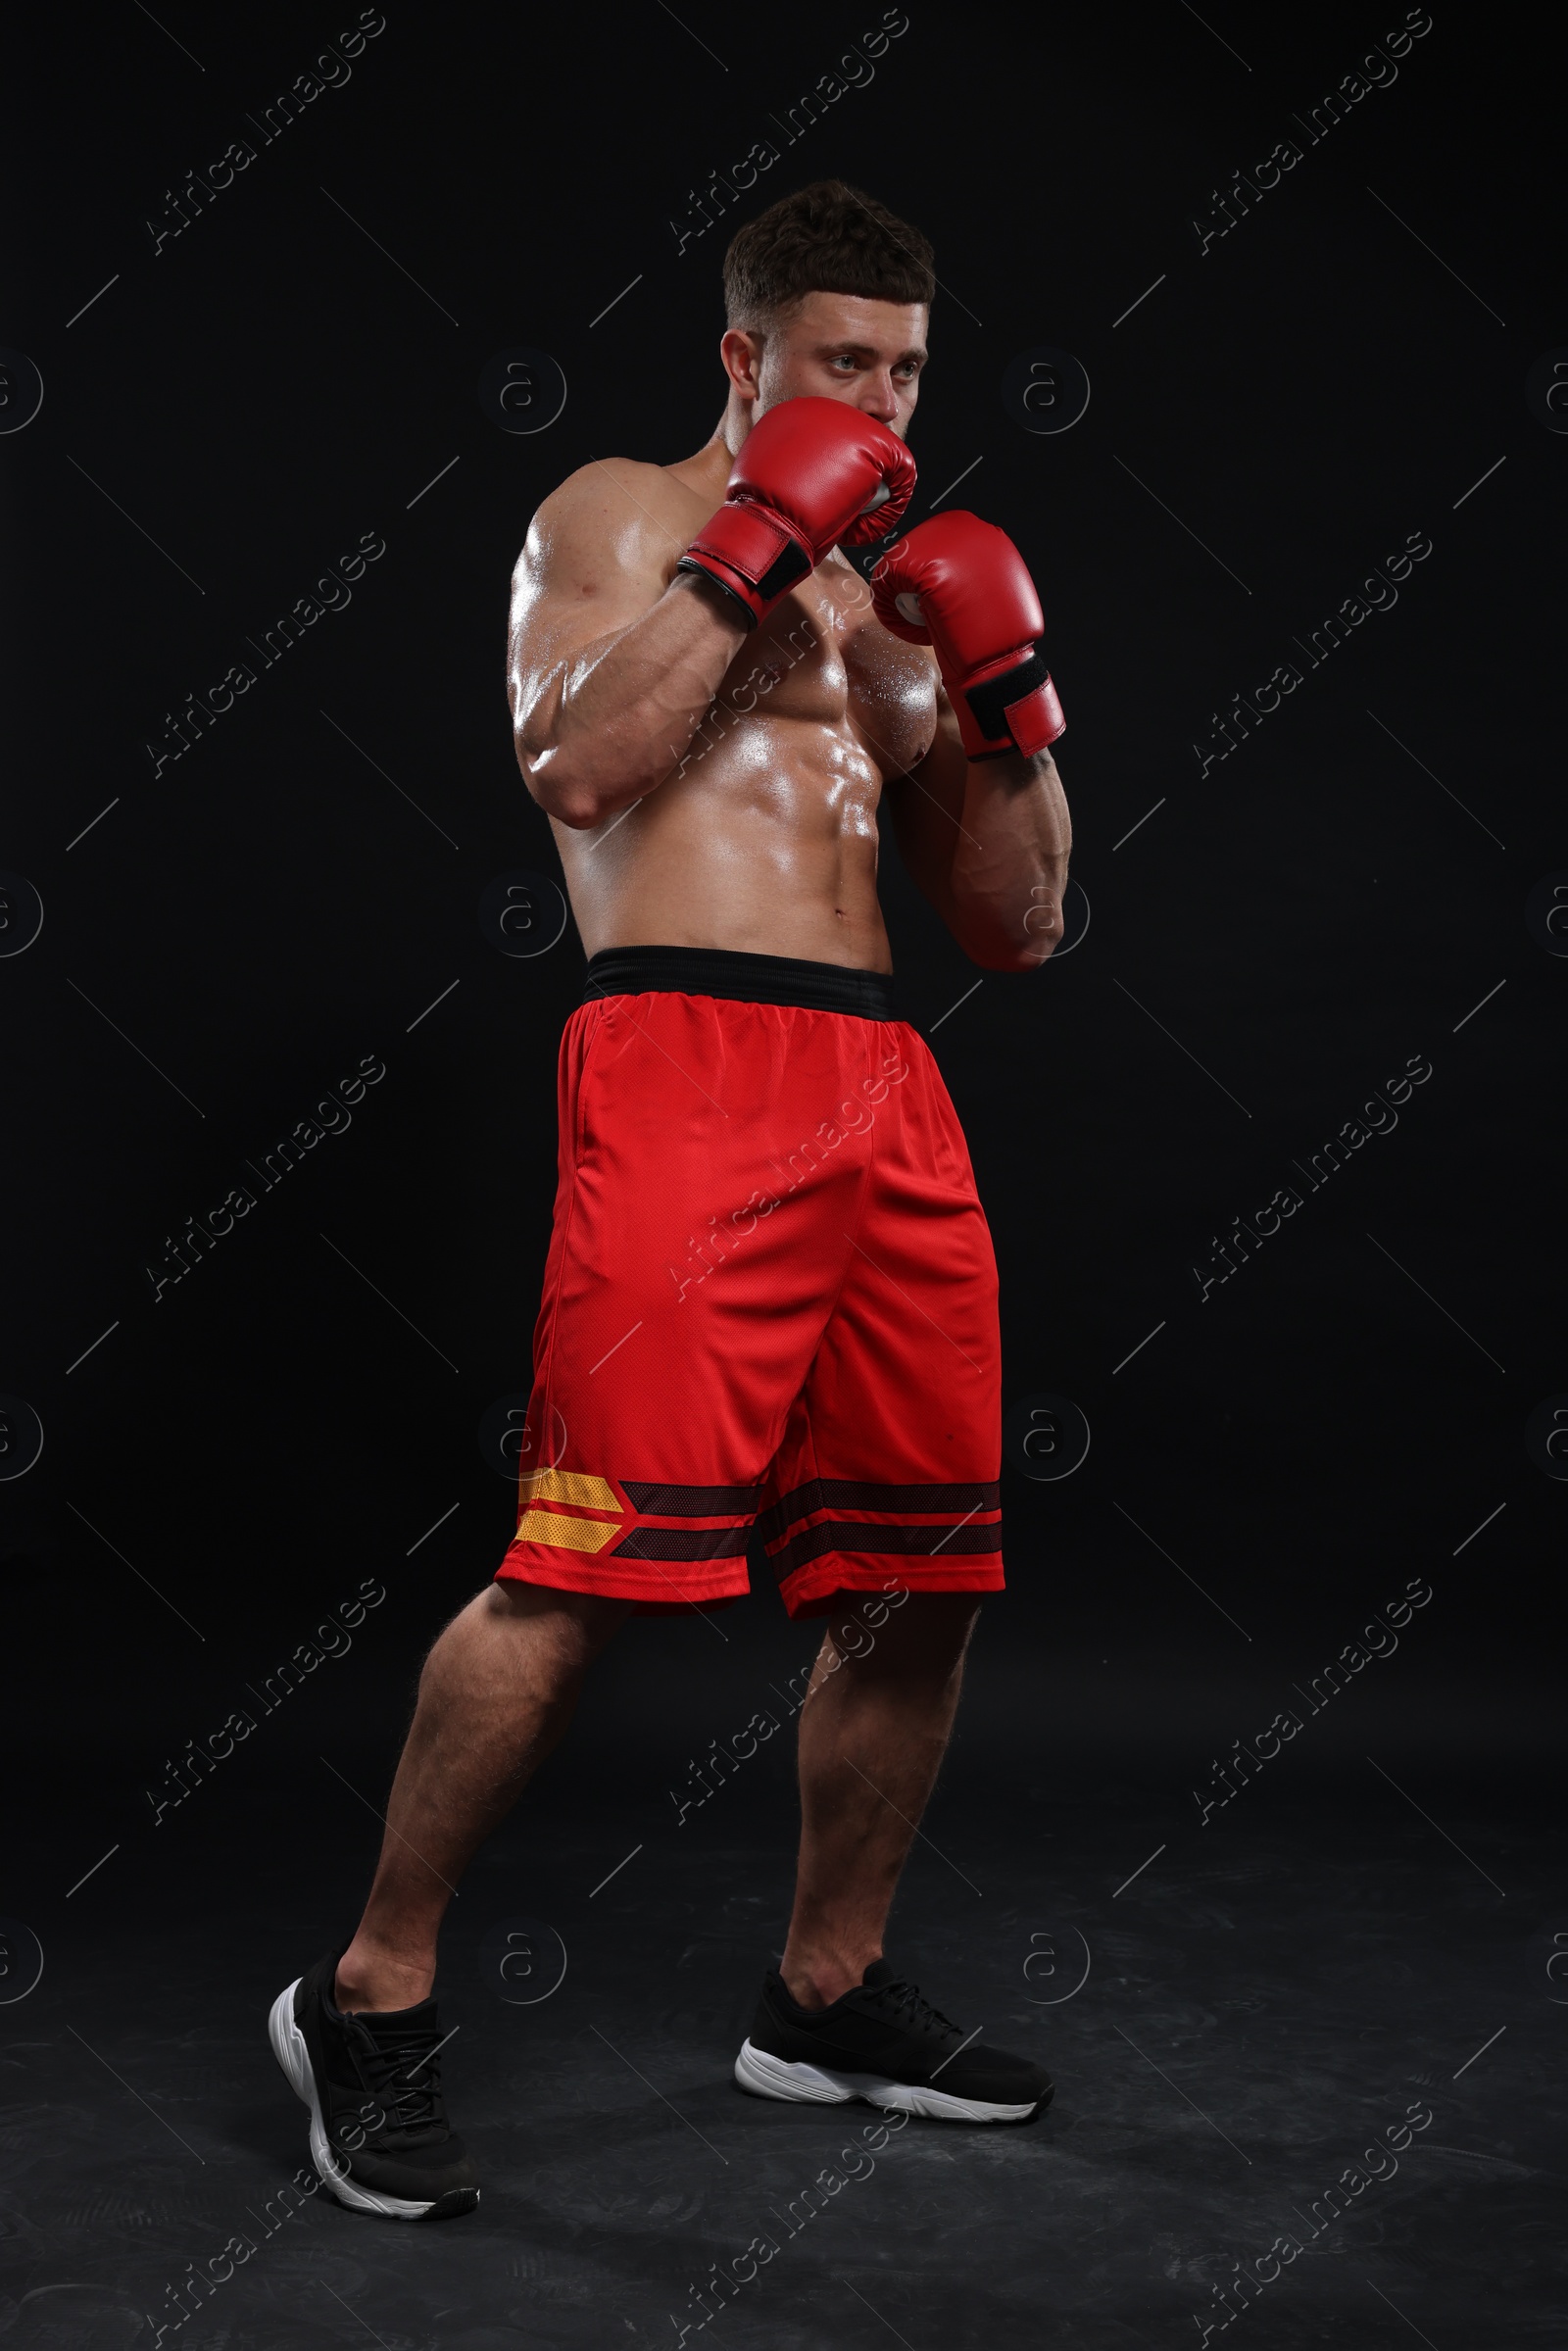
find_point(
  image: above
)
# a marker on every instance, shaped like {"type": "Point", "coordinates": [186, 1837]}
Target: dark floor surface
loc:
{"type": "Point", "coordinates": [1262, 2003]}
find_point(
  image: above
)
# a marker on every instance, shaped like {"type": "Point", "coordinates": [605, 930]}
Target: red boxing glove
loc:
{"type": "Point", "coordinates": [961, 586]}
{"type": "Point", "coordinates": [812, 472]}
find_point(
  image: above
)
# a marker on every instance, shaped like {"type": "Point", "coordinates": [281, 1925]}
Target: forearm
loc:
{"type": "Point", "coordinates": [604, 727]}
{"type": "Point", "coordinates": [1010, 861]}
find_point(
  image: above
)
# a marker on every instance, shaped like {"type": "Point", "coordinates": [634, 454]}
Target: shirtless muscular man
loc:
{"type": "Point", "coordinates": [770, 1298]}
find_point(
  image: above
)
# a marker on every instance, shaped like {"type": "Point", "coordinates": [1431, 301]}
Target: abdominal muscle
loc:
{"type": "Point", "coordinates": [766, 845]}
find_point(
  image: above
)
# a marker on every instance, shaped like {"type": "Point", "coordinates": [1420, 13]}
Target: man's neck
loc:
{"type": "Point", "coordinates": [707, 467]}
{"type": "Point", "coordinates": [735, 423]}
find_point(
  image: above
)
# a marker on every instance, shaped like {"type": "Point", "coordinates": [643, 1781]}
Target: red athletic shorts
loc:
{"type": "Point", "coordinates": [770, 1298]}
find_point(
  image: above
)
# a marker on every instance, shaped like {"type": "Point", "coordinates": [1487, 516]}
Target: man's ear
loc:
{"type": "Point", "coordinates": [741, 351]}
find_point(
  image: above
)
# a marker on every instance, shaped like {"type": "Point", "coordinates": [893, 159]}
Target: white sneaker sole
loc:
{"type": "Point", "coordinates": [767, 2077]}
{"type": "Point", "coordinates": [289, 2047]}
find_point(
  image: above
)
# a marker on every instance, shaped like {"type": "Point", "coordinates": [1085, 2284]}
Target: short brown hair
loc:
{"type": "Point", "coordinates": [828, 238]}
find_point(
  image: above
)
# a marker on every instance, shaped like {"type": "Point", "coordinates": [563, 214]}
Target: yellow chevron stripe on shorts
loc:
{"type": "Point", "coordinates": [567, 1534]}
{"type": "Point", "coordinates": [569, 1486]}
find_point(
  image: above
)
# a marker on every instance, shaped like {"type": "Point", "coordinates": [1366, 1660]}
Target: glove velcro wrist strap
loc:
{"type": "Point", "coordinates": [729, 585]}
{"type": "Point", "coordinates": [1017, 710]}
{"type": "Point", "coordinates": [751, 551]}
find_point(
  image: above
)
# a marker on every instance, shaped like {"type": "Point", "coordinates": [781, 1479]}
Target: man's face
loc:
{"type": "Point", "coordinates": [845, 346]}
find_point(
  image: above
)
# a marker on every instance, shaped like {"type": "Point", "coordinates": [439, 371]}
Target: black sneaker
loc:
{"type": "Point", "coordinates": [882, 2042]}
{"type": "Point", "coordinates": [379, 2137]}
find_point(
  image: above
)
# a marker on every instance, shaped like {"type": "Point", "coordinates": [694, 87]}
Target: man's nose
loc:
{"type": "Point", "coordinates": [880, 400]}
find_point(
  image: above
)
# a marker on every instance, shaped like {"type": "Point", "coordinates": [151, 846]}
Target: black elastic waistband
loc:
{"type": "Point", "coordinates": [745, 979]}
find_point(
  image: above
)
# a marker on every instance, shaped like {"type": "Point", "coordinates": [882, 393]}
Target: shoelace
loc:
{"type": "Point", "coordinates": [405, 2085]}
{"type": "Point", "coordinates": [912, 2010]}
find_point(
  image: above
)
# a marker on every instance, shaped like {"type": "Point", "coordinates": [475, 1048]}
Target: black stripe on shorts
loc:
{"type": "Point", "coordinates": [854, 1494]}
{"type": "Point", "coordinates": [904, 1543]}
{"type": "Point", "coordinates": [682, 1543]}
{"type": "Point", "coordinates": [688, 1501]}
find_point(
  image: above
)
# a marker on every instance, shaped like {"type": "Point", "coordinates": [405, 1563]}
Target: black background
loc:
{"type": "Point", "coordinates": [268, 910]}
{"type": "Point", "coordinates": [1275, 942]}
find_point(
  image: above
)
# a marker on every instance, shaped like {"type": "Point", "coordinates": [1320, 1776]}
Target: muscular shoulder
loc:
{"type": "Point", "coordinates": [600, 551]}
{"type": "Point", "coordinates": [615, 506]}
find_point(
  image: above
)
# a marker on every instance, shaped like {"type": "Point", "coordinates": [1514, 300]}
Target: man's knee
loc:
{"type": "Point", "coordinates": [928, 1633]}
{"type": "Point", "coordinates": [573, 1626]}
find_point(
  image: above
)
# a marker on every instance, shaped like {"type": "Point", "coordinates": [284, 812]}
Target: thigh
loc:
{"type": "Point", "coordinates": [888, 1476]}
{"type": "Point", "coordinates": [697, 1252]}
